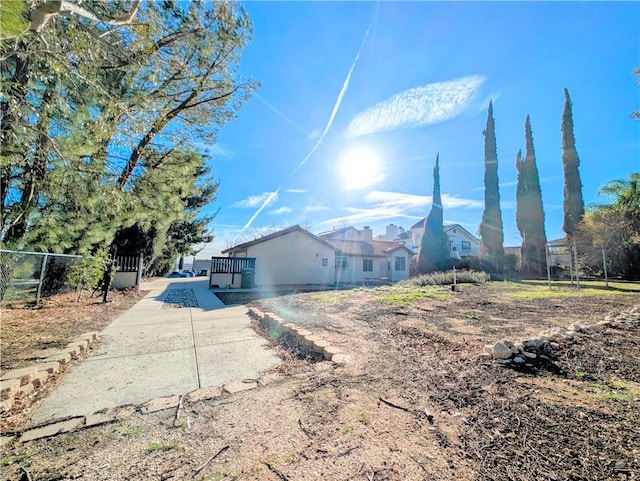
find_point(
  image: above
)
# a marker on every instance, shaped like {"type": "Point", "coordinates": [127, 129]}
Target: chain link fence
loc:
{"type": "Point", "coordinates": [29, 276]}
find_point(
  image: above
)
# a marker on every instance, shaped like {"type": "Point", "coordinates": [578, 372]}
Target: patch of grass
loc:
{"type": "Point", "coordinates": [403, 295]}
{"type": "Point", "coordinates": [328, 298]}
{"type": "Point", "coordinates": [223, 473]}
{"type": "Point", "coordinates": [165, 446]}
{"type": "Point", "coordinates": [364, 419]}
{"type": "Point", "coordinates": [615, 390]}
{"type": "Point", "coordinates": [8, 460]}
{"type": "Point", "coordinates": [627, 286]}
{"type": "Point", "coordinates": [346, 429]}
{"type": "Point", "coordinates": [132, 431]}
{"type": "Point", "coordinates": [581, 374]}
{"type": "Point", "coordinates": [539, 289]}
{"type": "Point", "coordinates": [617, 384]}
{"type": "Point", "coordinates": [530, 293]}
{"type": "Point", "coordinates": [470, 315]}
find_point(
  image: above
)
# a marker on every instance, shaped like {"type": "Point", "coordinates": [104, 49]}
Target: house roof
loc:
{"type": "Point", "coordinates": [356, 248]}
{"type": "Point", "coordinates": [447, 228]}
{"type": "Point", "coordinates": [387, 247]}
{"type": "Point", "coordinates": [563, 242]}
{"type": "Point", "coordinates": [275, 235]}
{"type": "Point", "coordinates": [450, 227]}
{"type": "Point", "coordinates": [419, 224]}
{"type": "Point", "coordinates": [365, 249]}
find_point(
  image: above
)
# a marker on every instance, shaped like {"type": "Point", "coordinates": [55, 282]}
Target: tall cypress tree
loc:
{"type": "Point", "coordinates": [491, 233]}
{"type": "Point", "coordinates": [529, 210]}
{"type": "Point", "coordinates": [434, 248]}
{"type": "Point", "coordinates": [573, 201]}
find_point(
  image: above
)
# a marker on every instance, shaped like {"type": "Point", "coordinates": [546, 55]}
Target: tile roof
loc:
{"type": "Point", "coordinates": [273, 236]}
{"type": "Point", "coordinates": [356, 248]}
{"type": "Point", "coordinates": [386, 247]}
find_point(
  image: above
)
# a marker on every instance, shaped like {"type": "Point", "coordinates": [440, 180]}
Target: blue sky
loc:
{"type": "Point", "coordinates": [375, 90]}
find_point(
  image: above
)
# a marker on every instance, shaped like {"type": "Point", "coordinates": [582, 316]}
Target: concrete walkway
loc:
{"type": "Point", "coordinates": [159, 349]}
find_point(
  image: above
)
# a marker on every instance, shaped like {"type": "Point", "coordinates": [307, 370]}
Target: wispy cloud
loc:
{"type": "Point", "coordinates": [513, 183]}
{"type": "Point", "coordinates": [296, 191]}
{"type": "Point", "coordinates": [483, 105]}
{"type": "Point", "coordinates": [398, 199]}
{"type": "Point", "coordinates": [412, 202]}
{"type": "Point", "coordinates": [315, 208]}
{"type": "Point", "coordinates": [359, 216]}
{"type": "Point", "coordinates": [398, 205]}
{"type": "Point", "coordinates": [429, 104]}
{"type": "Point", "coordinates": [256, 200]}
{"type": "Point", "coordinates": [280, 211]}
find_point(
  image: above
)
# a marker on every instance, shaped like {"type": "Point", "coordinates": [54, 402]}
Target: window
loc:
{"type": "Point", "coordinates": [367, 265]}
{"type": "Point", "coordinates": [466, 246]}
{"type": "Point", "coordinates": [454, 248]}
{"type": "Point", "coordinates": [401, 264]}
{"type": "Point", "coordinates": [325, 261]}
{"type": "Point", "coordinates": [341, 263]}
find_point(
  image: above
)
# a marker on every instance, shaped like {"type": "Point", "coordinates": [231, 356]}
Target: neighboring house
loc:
{"type": "Point", "coordinates": [360, 259]}
{"type": "Point", "coordinates": [201, 265]}
{"type": "Point", "coordinates": [295, 257]}
{"type": "Point", "coordinates": [292, 256]}
{"type": "Point", "coordinates": [461, 242]}
{"type": "Point", "coordinates": [394, 233]}
{"type": "Point", "coordinates": [559, 253]}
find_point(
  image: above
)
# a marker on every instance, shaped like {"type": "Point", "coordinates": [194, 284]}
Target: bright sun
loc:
{"type": "Point", "coordinates": [359, 167]}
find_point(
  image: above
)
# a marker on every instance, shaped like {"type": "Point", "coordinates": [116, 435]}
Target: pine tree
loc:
{"type": "Point", "coordinates": [95, 119]}
{"type": "Point", "coordinates": [529, 209]}
{"type": "Point", "coordinates": [573, 201]}
{"type": "Point", "coordinates": [434, 248]}
{"type": "Point", "coordinates": [491, 233]}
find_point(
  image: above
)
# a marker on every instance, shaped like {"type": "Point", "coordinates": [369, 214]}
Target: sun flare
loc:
{"type": "Point", "coordinates": [359, 167]}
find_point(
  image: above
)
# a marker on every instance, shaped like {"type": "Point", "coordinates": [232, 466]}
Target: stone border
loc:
{"type": "Point", "coordinates": [19, 383]}
{"type": "Point", "coordinates": [298, 339]}
{"type": "Point", "coordinates": [542, 348]}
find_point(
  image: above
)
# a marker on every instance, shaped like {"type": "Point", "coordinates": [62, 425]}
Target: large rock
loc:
{"type": "Point", "coordinates": [501, 351]}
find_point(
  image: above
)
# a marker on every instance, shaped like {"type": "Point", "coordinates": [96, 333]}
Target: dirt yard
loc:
{"type": "Point", "coordinates": [416, 402]}
{"type": "Point", "coordinates": [28, 330]}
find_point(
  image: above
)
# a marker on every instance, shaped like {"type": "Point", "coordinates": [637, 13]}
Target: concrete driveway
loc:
{"type": "Point", "coordinates": [178, 338]}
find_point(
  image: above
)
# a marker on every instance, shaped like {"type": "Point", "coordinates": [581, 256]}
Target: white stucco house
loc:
{"type": "Point", "coordinates": [461, 242]}
{"type": "Point", "coordinates": [292, 256]}
{"type": "Point", "coordinates": [361, 259]}
{"type": "Point", "coordinates": [296, 257]}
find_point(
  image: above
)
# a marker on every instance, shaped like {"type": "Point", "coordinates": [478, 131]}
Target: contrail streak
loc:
{"type": "Point", "coordinates": [336, 107]}
{"type": "Point", "coordinates": [281, 114]}
{"type": "Point", "coordinates": [266, 203]}
{"type": "Point", "coordinates": [334, 112]}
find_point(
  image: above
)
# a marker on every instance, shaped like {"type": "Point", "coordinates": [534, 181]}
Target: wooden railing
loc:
{"type": "Point", "coordinates": [231, 265]}
{"type": "Point", "coordinates": [127, 263]}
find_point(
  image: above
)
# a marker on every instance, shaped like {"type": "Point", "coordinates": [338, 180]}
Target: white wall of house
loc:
{"type": "Point", "coordinates": [398, 261]}
{"type": "Point", "coordinates": [200, 265]}
{"type": "Point", "coordinates": [351, 269]}
{"type": "Point", "coordinates": [461, 244]}
{"type": "Point", "coordinates": [292, 258]}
